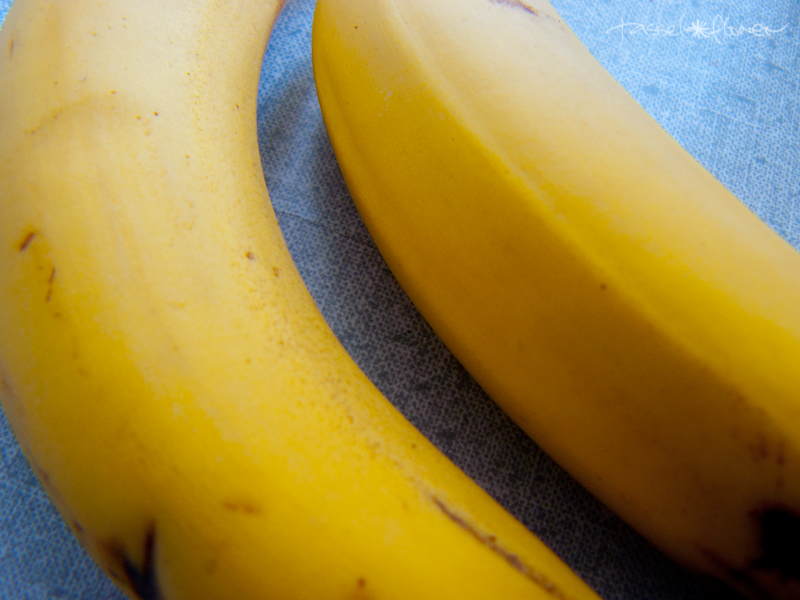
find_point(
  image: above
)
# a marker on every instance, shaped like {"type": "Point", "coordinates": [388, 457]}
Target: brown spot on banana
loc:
{"type": "Point", "coordinates": [11, 49]}
{"type": "Point", "coordinates": [211, 566]}
{"type": "Point", "coordinates": [23, 245]}
{"type": "Point", "coordinates": [759, 449]}
{"type": "Point", "coordinates": [142, 579]}
{"type": "Point", "coordinates": [247, 507]}
{"type": "Point", "coordinates": [360, 591]}
{"type": "Point", "coordinates": [50, 285]}
{"type": "Point", "coordinates": [490, 541]}
{"type": "Point", "coordinates": [780, 454]}
{"type": "Point", "coordinates": [780, 542]}
{"type": "Point", "coordinates": [775, 572]}
{"type": "Point", "coordinates": [78, 532]}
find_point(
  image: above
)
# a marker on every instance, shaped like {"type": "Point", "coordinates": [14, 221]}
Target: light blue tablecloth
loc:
{"type": "Point", "coordinates": [731, 100]}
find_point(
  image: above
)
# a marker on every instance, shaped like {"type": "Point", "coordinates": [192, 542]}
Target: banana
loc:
{"type": "Point", "coordinates": [623, 307]}
{"type": "Point", "coordinates": [163, 366]}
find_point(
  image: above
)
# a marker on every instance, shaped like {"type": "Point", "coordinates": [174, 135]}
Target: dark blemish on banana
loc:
{"type": "Point", "coordinates": [141, 580]}
{"type": "Point", "coordinates": [276, 271]}
{"type": "Point", "coordinates": [11, 49]}
{"type": "Point", "coordinates": [362, 582]}
{"type": "Point", "coordinates": [780, 552]}
{"type": "Point", "coordinates": [518, 4]}
{"type": "Point", "coordinates": [250, 255]}
{"type": "Point", "coordinates": [50, 284]}
{"type": "Point", "coordinates": [742, 578]}
{"type": "Point", "coordinates": [490, 541]}
{"type": "Point", "coordinates": [760, 449]}
{"type": "Point", "coordinates": [603, 286]}
{"type": "Point", "coordinates": [28, 239]}
{"type": "Point", "coordinates": [80, 534]}
{"type": "Point", "coordinates": [211, 566]}
{"type": "Point", "coordinates": [242, 506]}
{"type": "Point", "coordinates": [43, 475]}
{"type": "Point", "coordinates": [780, 542]}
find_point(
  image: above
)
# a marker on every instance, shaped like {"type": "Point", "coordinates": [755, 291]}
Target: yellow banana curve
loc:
{"type": "Point", "coordinates": [631, 314]}
{"type": "Point", "coordinates": [163, 366]}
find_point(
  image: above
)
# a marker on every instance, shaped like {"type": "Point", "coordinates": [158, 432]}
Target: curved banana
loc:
{"type": "Point", "coordinates": [162, 364]}
{"type": "Point", "coordinates": [615, 299]}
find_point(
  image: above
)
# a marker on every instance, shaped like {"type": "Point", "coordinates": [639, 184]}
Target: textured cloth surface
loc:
{"type": "Point", "coordinates": [732, 100]}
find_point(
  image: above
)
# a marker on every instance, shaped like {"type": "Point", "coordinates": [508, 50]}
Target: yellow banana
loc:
{"type": "Point", "coordinates": [162, 364]}
{"type": "Point", "coordinates": [631, 314]}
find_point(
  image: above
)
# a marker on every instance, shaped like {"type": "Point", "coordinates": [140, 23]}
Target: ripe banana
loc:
{"type": "Point", "coordinates": [162, 364]}
{"type": "Point", "coordinates": [614, 298]}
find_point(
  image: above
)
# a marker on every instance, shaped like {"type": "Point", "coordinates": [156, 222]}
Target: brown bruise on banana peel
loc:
{"type": "Point", "coordinates": [243, 506]}
{"type": "Point", "coordinates": [777, 565]}
{"type": "Point", "coordinates": [23, 247]}
{"type": "Point", "coordinates": [26, 241]}
{"type": "Point", "coordinates": [50, 285]}
{"type": "Point", "coordinates": [780, 542]}
{"type": "Point", "coordinates": [512, 559]}
{"type": "Point", "coordinates": [360, 591]}
{"type": "Point", "coordinates": [140, 578]}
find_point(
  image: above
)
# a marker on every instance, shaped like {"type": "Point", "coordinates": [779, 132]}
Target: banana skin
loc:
{"type": "Point", "coordinates": [163, 366]}
{"type": "Point", "coordinates": [623, 307]}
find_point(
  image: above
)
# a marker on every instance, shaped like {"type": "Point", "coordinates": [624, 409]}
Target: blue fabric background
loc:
{"type": "Point", "coordinates": [732, 101]}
